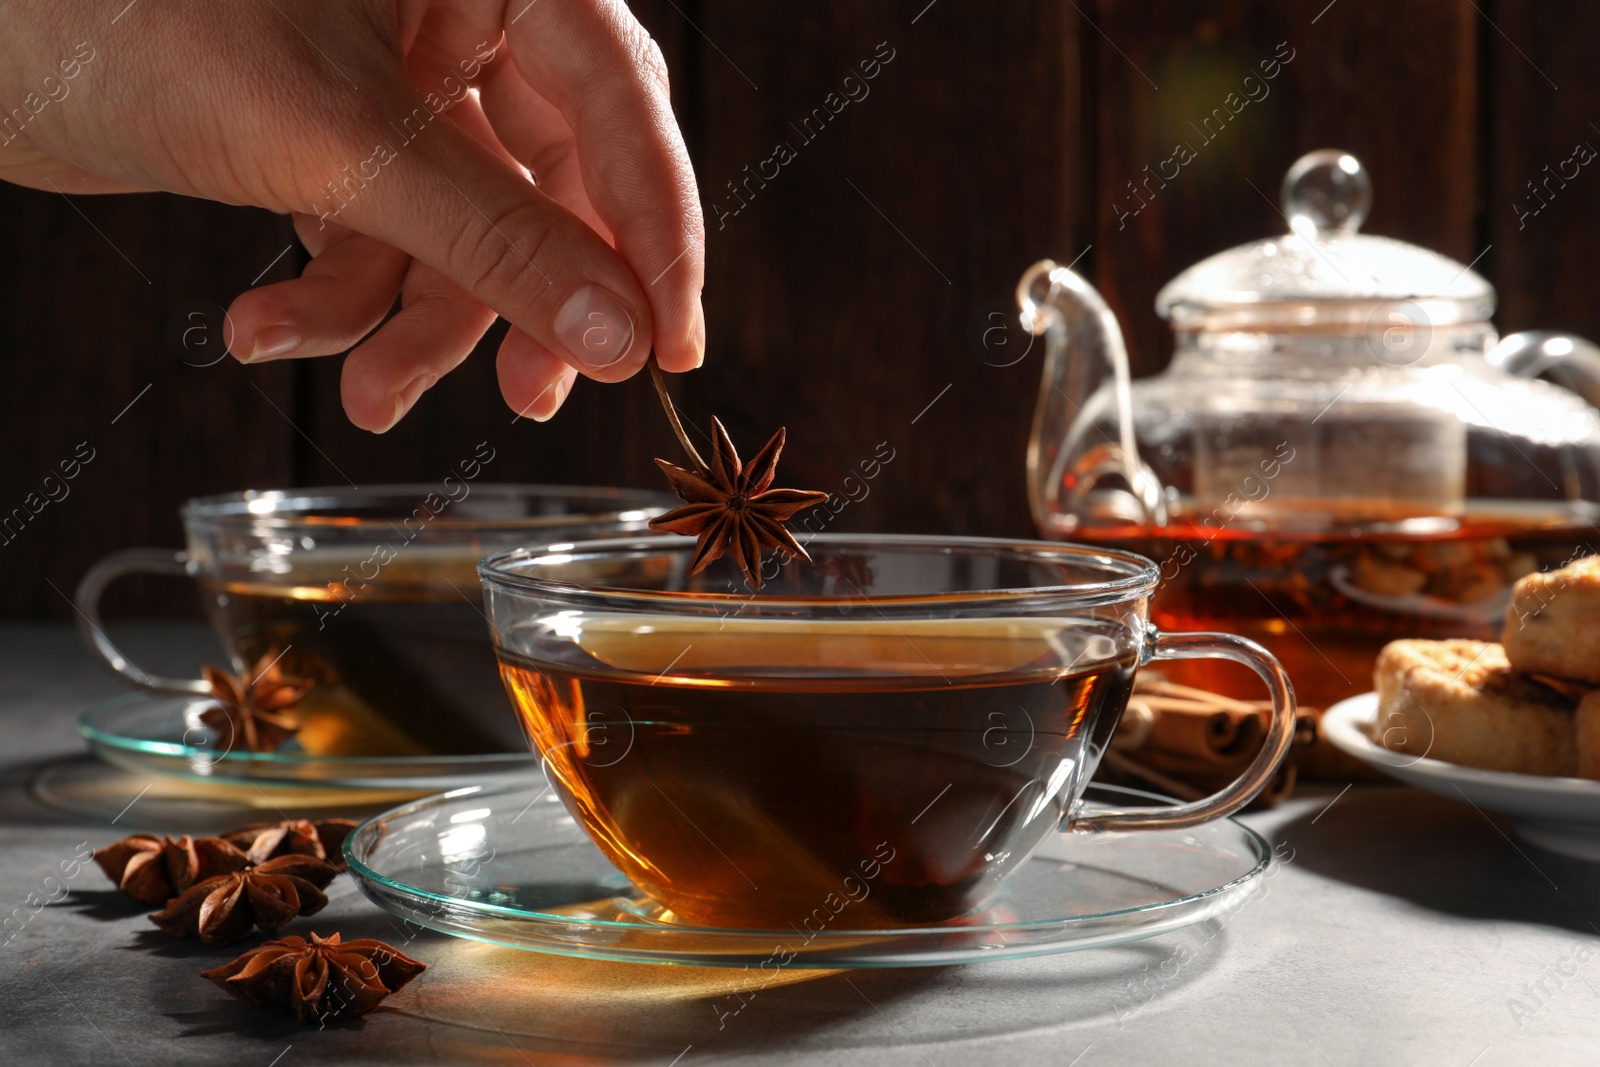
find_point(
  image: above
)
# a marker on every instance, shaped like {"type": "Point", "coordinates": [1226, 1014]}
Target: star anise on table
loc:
{"type": "Point", "coordinates": [261, 841]}
{"type": "Point", "coordinates": [319, 979]}
{"type": "Point", "coordinates": [729, 506]}
{"type": "Point", "coordinates": [222, 910]}
{"type": "Point", "coordinates": [248, 707]}
{"type": "Point", "coordinates": [154, 869]}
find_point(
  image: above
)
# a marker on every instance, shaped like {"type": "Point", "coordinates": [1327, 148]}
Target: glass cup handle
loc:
{"type": "Point", "coordinates": [1255, 778]}
{"type": "Point", "coordinates": [87, 600]}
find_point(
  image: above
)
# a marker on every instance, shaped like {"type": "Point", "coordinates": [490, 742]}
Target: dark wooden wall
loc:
{"type": "Point", "coordinates": [854, 290]}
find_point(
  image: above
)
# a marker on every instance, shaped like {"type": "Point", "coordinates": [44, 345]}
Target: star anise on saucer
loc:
{"type": "Point", "coordinates": [222, 910]}
{"type": "Point", "coordinates": [730, 506]}
{"type": "Point", "coordinates": [154, 869]}
{"type": "Point", "coordinates": [261, 841]}
{"type": "Point", "coordinates": [319, 979]}
{"type": "Point", "coordinates": [248, 707]}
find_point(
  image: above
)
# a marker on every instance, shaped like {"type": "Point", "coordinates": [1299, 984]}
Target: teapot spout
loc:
{"type": "Point", "coordinates": [1083, 440]}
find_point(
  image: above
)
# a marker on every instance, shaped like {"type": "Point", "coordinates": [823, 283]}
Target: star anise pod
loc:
{"type": "Point", "coordinates": [154, 869]}
{"type": "Point", "coordinates": [730, 506]}
{"type": "Point", "coordinates": [261, 841]}
{"type": "Point", "coordinates": [319, 979]}
{"type": "Point", "coordinates": [222, 910]}
{"type": "Point", "coordinates": [247, 709]}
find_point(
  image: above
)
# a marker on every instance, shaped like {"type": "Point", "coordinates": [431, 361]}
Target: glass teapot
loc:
{"type": "Point", "coordinates": [1341, 452]}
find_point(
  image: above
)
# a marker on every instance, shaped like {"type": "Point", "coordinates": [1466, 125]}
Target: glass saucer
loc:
{"type": "Point", "coordinates": [508, 865]}
{"type": "Point", "coordinates": [149, 733]}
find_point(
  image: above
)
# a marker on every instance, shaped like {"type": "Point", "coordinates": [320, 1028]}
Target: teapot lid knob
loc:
{"type": "Point", "coordinates": [1326, 271]}
{"type": "Point", "coordinates": [1326, 193]}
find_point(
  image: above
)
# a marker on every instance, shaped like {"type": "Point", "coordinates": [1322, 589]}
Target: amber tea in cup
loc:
{"type": "Point", "coordinates": [401, 666]}
{"type": "Point", "coordinates": [876, 738]}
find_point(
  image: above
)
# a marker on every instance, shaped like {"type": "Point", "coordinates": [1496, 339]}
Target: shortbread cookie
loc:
{"type": "Point", "coordinates": [1461, 702]}
{"type": "Point", "coordinates": [1553, 623]}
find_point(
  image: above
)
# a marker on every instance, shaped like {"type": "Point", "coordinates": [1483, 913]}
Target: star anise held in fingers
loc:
{"type": "Point", "coordinates": [154, 869]}
{"type": "Point", "coordinates": [729, 506]}
{"type": "Point", "coordinates": [222, 910]}
{"type": "Point", "coordinates": [261, 841]}
{"type": "Point", "coordinates": [732, 508]}
{"type": "Point", "coordinates": [248, 707]}
{"type": "Point", "coordinates": [319, 979]}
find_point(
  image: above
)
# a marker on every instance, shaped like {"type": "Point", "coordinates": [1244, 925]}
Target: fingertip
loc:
{"type": "Point", "coordinates": [370, 412]}
{"type": "Point", "coordinates": [272, 342]}
{"type": "Point", "coordinates": [338, 298]}
{"type": "Point", "coordinates": [407, 397]}
{"type": "Point", "coordinates": [534, 380]}
{"type": "Point", "coordinates": [545, 409]}
{"type": "Point", "coordinates": [370, 402]}
{"type": "Point", "coordinates": [686, 351]}
{"type": "Point", "coordinates": [258, 326]}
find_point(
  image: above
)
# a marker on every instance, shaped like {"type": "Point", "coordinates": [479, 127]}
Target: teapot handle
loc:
{"type": "Point", "coordinates": [1570, 361]}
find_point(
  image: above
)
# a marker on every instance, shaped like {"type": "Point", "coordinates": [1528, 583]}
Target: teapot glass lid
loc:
{"type": "Point", "coordinates": [1323, 272]}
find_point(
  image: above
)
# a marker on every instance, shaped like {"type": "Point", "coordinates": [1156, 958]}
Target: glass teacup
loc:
{"type": "Point", "coordinates": [877, 737]}
{"type": "Point", "coordinates": [371, 594]}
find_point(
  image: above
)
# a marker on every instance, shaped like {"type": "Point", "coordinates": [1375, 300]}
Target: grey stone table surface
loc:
{"type": "Point", "coordinates": [1399, 928]}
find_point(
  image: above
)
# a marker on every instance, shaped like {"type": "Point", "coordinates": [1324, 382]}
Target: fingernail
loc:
{"type": "Point", "coordinates": [405, 398]}
{"type": "Point", "coordinates": [559, 390]}
{"type": "Point", "coordinates": [273, 342]}
{"type": "Point", "coordinates": [595, 326]}
{"type": "Point", "coordinates": [699, 336]}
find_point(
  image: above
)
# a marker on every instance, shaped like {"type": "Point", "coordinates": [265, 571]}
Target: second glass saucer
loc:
{"type": "Point", "coordinates": [150, 733]}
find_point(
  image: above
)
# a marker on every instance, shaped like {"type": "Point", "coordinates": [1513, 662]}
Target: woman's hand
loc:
{"type": "Point", "coordinates": [401, 134]}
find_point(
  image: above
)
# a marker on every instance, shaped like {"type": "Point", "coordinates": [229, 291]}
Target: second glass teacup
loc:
{"type": "Point", "coordinates": [878, 737]}
{"type": "Point", "coordinates": [370, 594]}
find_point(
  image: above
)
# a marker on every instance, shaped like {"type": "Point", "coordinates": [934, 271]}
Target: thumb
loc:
{"type": "Point", "coordinates": [438, 194]}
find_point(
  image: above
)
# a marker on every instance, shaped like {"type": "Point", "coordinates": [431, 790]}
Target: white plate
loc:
{"type": "Point", "coordinates": [1560, 814]}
